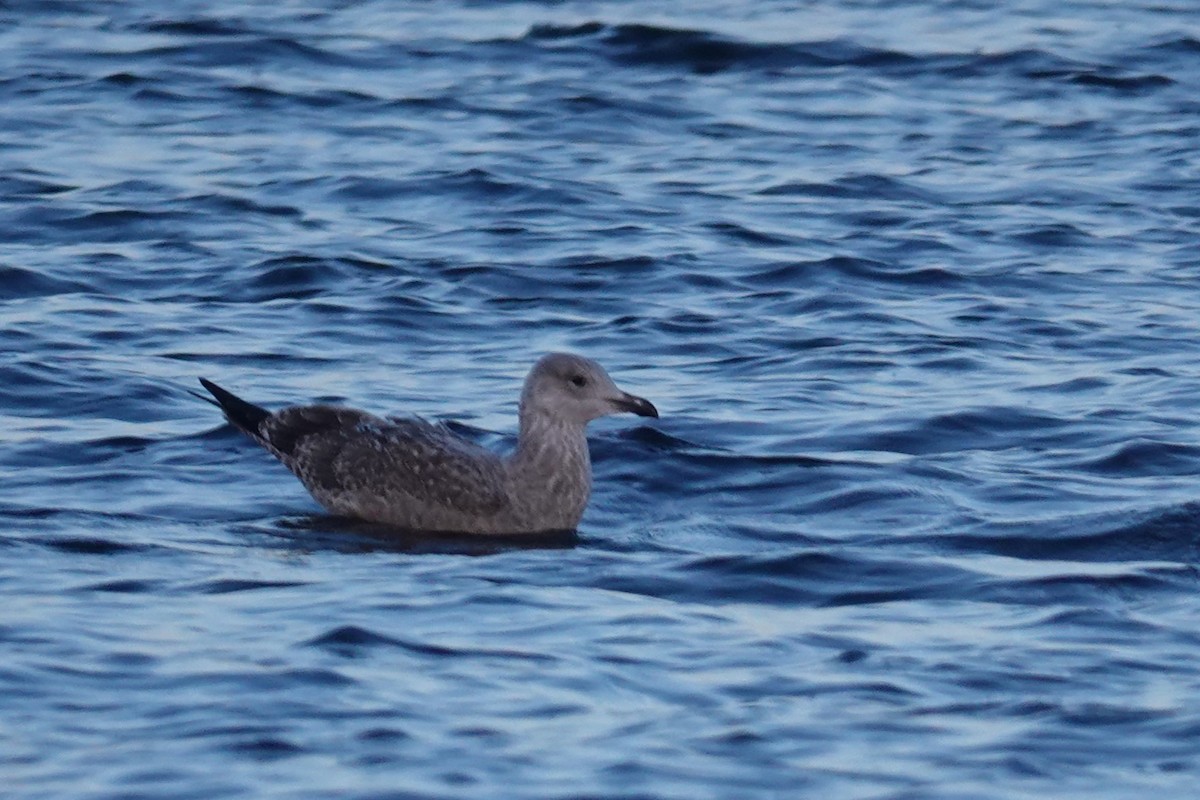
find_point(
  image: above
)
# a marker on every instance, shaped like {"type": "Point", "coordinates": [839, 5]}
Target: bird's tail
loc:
{"type": "Point", "coordinates": [245, 416]}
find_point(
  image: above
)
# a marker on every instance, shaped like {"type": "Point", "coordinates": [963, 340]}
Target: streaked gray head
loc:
{"type": "Point", "coordinates": [571, 388]}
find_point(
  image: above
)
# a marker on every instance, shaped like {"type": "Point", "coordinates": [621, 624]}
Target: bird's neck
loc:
{"type": "Point", "coordinates": [552, 462]}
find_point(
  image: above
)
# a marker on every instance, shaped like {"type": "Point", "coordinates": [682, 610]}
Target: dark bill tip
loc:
{"type": "Point", "coordinates": [637, 405]}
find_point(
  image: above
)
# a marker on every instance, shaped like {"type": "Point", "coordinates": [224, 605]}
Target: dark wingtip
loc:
{"type": "Point", "coordinates": [246, 416]}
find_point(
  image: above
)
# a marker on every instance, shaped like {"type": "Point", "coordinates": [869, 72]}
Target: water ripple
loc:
{"type": "Point", "coordinates": [912, 285]}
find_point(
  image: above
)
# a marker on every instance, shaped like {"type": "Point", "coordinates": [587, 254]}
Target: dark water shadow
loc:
{"type": "Point", "coordinates": [317, 532]}
{"type": "Point", "coordinates": [1170, 533]}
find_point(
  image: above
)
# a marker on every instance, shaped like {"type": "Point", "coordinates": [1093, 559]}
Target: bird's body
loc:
{"type": "Point", "coordinates": [417, 475]}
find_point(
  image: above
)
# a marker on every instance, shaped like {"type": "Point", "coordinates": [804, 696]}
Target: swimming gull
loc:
{"type": "Point", "coordinates": [420, 476]}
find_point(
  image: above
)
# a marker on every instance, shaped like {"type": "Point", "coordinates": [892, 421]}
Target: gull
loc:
{"type": "Point", "coordinates": [420, 476]}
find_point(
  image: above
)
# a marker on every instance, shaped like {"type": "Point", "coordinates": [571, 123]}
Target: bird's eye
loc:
{"type": "Point", "coordinates": [579, 380]}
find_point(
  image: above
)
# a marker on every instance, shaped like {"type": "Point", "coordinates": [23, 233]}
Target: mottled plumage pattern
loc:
{"type": "Point", "coordinates": [361, 465]}
{"type": "Point", "coordinates": [420, 476]}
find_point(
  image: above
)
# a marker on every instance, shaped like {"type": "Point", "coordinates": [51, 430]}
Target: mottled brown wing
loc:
{"type": "Point", "coordinates": [290, 432]}
{"type": "Point", "coordinates": [343, 456]}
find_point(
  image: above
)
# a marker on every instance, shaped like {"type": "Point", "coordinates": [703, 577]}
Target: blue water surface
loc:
{"type": "Point", "coordinates": [914, 285]}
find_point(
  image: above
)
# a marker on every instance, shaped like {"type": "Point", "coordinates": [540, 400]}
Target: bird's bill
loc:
{"type": "Point", "coordinates": [636, 405]}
